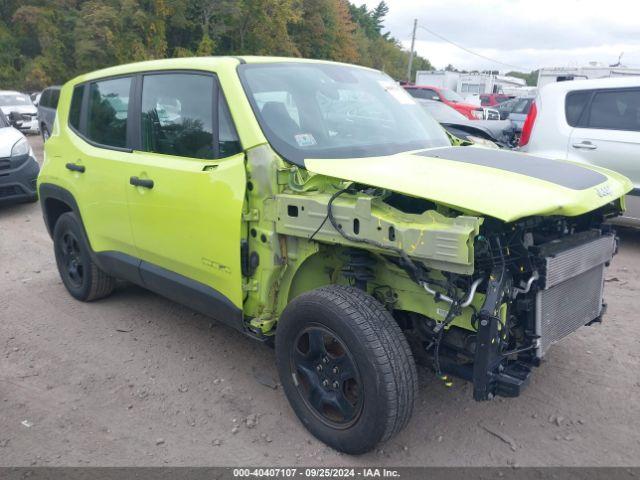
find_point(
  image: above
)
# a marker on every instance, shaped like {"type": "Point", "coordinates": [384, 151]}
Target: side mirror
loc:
{"type": "Point", "coordinates": [15, 119]}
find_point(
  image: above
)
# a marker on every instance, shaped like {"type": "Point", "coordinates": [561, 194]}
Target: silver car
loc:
{"type": "Point", "coordinates": [20, 105]}
{"type": "Point", "coordinates": [47, 110]}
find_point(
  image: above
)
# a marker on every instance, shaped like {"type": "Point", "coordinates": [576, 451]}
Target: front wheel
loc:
{"type": "Point", "coordinates": [345, 367]}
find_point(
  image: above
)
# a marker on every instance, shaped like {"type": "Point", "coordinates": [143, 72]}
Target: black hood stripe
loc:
{"type": "Point", "coordinates": [561, 173]}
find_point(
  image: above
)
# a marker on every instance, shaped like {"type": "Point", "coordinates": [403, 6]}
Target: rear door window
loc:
{"type": "Point", "coordinates": [108, 112]}
{"type": "Point", "coordinates": [615, 110]}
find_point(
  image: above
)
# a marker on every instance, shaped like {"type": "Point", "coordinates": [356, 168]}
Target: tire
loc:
{"type": "Point", "coordinates": [338, 344]}
{"type": "Point", "coordinates": [80, 275]}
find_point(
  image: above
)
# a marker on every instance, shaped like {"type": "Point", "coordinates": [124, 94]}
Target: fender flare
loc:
{"type": "Point", "coordinates": [48, 191]}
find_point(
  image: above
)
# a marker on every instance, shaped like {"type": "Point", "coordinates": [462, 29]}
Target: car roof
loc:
{"type": "Point", "coordinates": [191, 63]}
{"type": "Point", "coordinates": [12, 92]}
{"type": "Point", "coordinates": [611, 82]}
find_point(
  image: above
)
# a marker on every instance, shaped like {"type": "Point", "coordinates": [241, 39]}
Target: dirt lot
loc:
{"type": "Point", "coordinates": [138, 380]}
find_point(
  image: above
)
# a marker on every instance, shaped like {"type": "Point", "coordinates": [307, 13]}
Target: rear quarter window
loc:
{"type": "Point", "coordinates": [53, 99]}
{"type": "Point", "coordinates": [575, 104]}
{"type": "Point", "coordinates": [44, 98]}
{"type": "Point", "coordinates": [76, 107]}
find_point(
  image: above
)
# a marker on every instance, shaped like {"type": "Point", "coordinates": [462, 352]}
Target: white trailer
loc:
{"type": "Point", "coordinates": [593, 70]}
{"type": "Point", "coordinates": [437, 78]}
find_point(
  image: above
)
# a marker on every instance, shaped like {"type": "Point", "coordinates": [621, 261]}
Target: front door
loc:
{"type": "Point", "coordinates": [187, 187]}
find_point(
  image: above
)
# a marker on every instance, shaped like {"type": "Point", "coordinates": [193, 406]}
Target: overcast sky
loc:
{"type": "Point", "coordinates": [525, 33]}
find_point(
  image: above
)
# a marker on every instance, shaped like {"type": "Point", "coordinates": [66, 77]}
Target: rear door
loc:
{"type": "Point", "coordinates": [96, 161]}
{"type": "Point", "coordinates": [186, 187]}
{"type": "Point", "coordinates": [606, 132]}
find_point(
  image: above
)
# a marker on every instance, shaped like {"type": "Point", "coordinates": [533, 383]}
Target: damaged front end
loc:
{"type": "Point", "coordinates": [480, 299]}
{"type": "Point", "coordinates": [480, 296]}
{"type": "Point", "coordinates": [542, 279]}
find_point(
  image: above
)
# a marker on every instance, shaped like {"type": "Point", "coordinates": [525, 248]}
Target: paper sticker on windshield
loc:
{"type": "Point", "coordinates": [397, 92]}
{"type": "Point", "coordinates": [305, 140]}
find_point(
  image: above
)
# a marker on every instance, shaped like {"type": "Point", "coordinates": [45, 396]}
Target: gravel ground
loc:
{"type": "Point", "coordinates": [138, 380]}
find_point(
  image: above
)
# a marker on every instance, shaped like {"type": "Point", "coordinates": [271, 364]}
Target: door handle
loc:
{"type": "Point", "coordinates": [74, 167]}
{"type": "Point", "coordinates": [141, 182]}
{"type": "Point", "coordinates": [585, 145]}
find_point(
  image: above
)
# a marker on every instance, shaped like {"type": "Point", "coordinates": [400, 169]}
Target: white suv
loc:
{"type": "Point", "coordinates": [590, 121]}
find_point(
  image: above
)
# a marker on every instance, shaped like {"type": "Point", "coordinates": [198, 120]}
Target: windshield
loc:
{"type": "Point", "coordinates": [3, 120]}
{"type": "Point", "coordinates": [451, 95]}
{"type": "Point", "coordinates": [321, 110]}
{"type": "Point", "coordinates": [12, 99]}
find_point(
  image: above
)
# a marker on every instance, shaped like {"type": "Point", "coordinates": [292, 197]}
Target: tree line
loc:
{"type": "Point", "coordinates": [46, 42]}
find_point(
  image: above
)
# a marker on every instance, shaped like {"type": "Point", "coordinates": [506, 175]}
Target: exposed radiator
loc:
{"type": "Point", "coordinates": [573, 289]}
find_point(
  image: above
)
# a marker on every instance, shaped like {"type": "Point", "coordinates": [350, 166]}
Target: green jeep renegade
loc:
{"type": "Point", "coordinates": [316, 205]}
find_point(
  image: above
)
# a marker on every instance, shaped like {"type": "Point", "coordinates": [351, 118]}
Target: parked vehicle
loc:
{"type": "Point", "coordinates": [47, 110]}
{"type": "Point", "coordinates": [448, 97]}
{"type": "Point", "coordinates": [519, 111]}
{"type": "Point", "coordinates": [18, 166]}
{"type": "Point", "coordinates": [35, 97]}
{"type": "Point", "coordinates": [11, 101]}
{"type": "Point", "coordinates": [499, 132]}
{"type": "Point", "coordinates": [491, 113]}
{"type": "Point", "coordinates": [493, 99]}
{"type": "Point", "coordinates": [323, 208]}
{"type": "Point", "coordinates": [596, 122]}
{"type": "Point", "coordinates": [505, 108]}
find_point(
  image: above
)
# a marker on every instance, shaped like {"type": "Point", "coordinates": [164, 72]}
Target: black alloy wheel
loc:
{"type": "Point", "coordinates": [327, 376]}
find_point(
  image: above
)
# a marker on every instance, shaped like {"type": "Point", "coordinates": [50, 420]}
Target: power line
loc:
{"type": "Point", "coordinates": [471, 51]}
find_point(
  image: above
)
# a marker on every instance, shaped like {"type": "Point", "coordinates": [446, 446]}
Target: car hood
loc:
{"type": "Point", "coordinates": [8, 138]}
{"type": "Point", "coordinates": [7, 109]}
{"type": "Point", "coordinates": [498, 183]}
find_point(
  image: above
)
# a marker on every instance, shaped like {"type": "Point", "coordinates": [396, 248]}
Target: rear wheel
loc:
{"type": "Point", "coordinates": [346, 368]}
{"type": "Point", "coordinates": [81, 276]}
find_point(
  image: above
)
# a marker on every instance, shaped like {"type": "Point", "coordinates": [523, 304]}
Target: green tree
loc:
{"type": "Point", "coordinates": [264, 27]}
{"type": "Point", "coordinates": [44, 42]}
{"type": "Point", "coordinates": [326, 31]}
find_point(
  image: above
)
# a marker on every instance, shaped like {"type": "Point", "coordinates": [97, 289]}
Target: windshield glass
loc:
{"type": "Point", "coordinates": [11, 99]}
{"type": "Point", "coordinates": [320, 110]}
{"type": "Point", "coordinates": [3, 120]}
{"type": "Point", "coordinates": [451, 95]}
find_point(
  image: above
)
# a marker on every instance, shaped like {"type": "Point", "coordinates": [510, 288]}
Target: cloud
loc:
{"type": "Point", "coordinates": [524, 33]}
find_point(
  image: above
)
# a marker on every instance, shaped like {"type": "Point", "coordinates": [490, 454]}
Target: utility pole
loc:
{"type": "Point", "coordinates": [413, 42]}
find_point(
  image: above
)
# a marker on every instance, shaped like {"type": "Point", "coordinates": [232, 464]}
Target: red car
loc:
{"type": "Point", "coordinates": [493, 99]}
{"type": "Point", "coordinates": [449, 97]}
